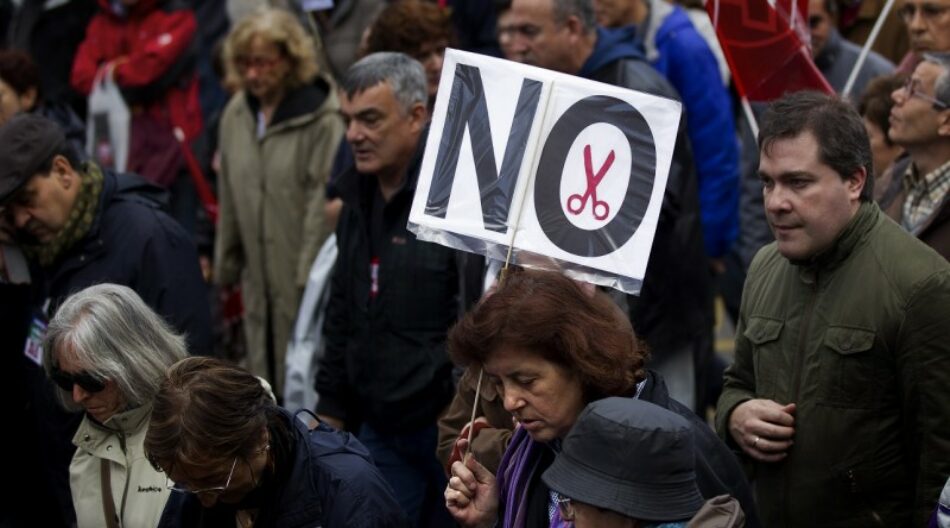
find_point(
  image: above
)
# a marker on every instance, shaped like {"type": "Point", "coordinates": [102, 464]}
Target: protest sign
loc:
{"type": "Point", "coordinates": [545, 164]}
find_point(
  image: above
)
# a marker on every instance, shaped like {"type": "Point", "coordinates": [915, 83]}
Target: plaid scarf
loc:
{"type": "Point", "coordinates": [77, 225]}
{"type": "Point", "coordinates": [925, 196]}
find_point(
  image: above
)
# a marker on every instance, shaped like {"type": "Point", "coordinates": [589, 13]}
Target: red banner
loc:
{"type": "Point", "coordinates": [764, 43]}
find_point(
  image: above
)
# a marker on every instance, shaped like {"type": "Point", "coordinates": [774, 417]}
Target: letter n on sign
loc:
{"type": "Point", "coordinates": [548, 164]}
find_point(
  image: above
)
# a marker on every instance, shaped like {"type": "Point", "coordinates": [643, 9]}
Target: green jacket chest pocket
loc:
{"type": "Point", "coordinates": [768, 361]}
{"type": "Point", "coordinates": [850, 375]}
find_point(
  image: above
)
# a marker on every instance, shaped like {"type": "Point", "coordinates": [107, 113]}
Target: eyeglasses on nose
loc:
{"type": "Point", "coordinates": [258, 63]}
{"type": "Point", "coordinates": [66, 381]}
{"type": "Point", "coordinates": [928, 11]}
{"type": "Point", "coordinates": [912, 89]}
{"type": "Point", "coordinates": [217, 490]}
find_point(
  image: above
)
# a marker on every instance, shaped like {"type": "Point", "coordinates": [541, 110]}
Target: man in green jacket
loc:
{"type": "Point", "coordinates": [839, 397]}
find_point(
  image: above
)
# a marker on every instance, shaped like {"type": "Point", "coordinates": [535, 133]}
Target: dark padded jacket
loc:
{"type": "Point", "coordinates": [330, 482]}
{"type": "Point", "coordinates": [133, 243]}
{"type": "Point", "coordinates": [385, 359]}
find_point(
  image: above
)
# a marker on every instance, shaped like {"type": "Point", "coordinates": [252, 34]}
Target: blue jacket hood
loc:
{"type": "Point", "coordinates": [612, 45]}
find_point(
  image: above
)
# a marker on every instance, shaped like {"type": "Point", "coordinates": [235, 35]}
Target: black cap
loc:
{"type": "Point", "coordinates": [27, 143]}
{"type": "Point", "coordinates": [631, 457]}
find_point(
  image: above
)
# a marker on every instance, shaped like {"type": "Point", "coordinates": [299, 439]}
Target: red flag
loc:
{"type": "Point", "coordinates": [763, 41]}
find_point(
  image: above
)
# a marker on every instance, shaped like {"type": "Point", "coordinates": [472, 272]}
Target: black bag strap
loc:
{"type": "Point", "coordinates": [108, 503]}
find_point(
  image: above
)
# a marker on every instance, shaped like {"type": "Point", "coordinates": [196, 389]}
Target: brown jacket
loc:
{"type": "Point", "coordinates": [719, 512]}
{"type": "Point", "coordinates": [490, 443]}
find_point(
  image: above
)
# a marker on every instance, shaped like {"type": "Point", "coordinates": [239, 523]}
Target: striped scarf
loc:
{"type": "Point", "coordinates": [77, 225]}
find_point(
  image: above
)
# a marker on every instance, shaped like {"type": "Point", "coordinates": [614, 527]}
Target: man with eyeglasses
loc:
{"type": "Point", "coordinates": [920, 122]}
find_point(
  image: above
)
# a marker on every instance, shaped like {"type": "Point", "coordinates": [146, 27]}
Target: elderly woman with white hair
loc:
{"type": "Point", "coordinates": [107, 352]}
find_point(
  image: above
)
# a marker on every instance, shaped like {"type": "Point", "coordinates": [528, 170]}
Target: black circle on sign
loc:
{"type": "Point", "coordinates": [547, 189]}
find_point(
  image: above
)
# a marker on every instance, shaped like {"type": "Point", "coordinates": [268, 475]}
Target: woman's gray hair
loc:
{"type": "Point", "coordinates": [115, 336]}
{"type": "Point", "coordinates": [405, 76]}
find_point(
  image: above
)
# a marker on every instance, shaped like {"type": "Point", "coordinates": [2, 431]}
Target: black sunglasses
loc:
{"type": "Point", "coordinates": [66, 380]}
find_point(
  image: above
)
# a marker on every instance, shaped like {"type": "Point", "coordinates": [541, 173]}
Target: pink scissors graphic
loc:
{"type": "Point", "coordinates": [576, 202]}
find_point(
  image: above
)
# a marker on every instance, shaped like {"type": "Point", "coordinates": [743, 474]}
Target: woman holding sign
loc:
{"type": "Point", "coordinates": [549, 349]}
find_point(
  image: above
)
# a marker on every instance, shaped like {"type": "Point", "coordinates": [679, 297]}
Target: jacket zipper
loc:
{"type": "Point", "coordinates": [799, 364]}
{"type": "Point", "coordinates": [128, 477]}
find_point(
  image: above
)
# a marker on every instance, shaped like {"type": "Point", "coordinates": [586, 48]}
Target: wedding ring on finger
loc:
{"type": "Point", "coordinates": [755, 443]}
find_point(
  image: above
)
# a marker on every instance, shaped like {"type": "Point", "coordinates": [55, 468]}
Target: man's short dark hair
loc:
{"type": "Point", "coordinates": [582, 9]}
{"type": "Point", "coordinates": [842, 139]}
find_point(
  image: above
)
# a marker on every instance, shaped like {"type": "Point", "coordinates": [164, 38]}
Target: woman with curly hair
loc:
{"type": "Point", "coordinates": [277, 138]}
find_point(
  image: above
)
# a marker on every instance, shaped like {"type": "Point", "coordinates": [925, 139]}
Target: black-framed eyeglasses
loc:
{"type": "Point", "coordinates": [928, 11]}
{"type": "Point", "coordinates": [66, 381]}
{"type": "Point", "coordinates": [815, 20]}
{"type": "Point", "coordinates": [912, 89]}
{"type": "Point", "coordinates": [217, 490]}
{"type": "Point", "coordinates": [566, 508]}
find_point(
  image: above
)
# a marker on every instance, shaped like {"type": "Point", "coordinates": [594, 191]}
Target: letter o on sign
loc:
{"type": "Point", "coordinates": [547, 195]}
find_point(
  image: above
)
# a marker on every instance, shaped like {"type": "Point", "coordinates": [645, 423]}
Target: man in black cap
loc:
{"type": "Point", "coordinates": [79, 225]}
{"type": "Point", "coordinates": [630, 463]}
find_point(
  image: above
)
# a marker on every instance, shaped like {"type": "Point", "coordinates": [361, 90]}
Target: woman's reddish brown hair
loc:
{"type": "Point", "coordinates": [550, 315]}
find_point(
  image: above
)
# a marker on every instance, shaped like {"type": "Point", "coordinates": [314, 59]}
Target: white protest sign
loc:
{"type": "Point", "coordinates": [547, 164]}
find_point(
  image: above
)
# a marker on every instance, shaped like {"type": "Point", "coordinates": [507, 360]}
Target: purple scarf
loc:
{"type": "Point", "coordinates": [515, 472]}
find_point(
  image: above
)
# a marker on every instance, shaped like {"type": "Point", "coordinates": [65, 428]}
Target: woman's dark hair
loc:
{"type": "Point", "coordinates": [876, 102]}
{"type": "Point", "coordinates": [408, 26]}
{"type": "Point", "coordinates": [208, 409]}
{"type": "Point", "coordinates": [550, 315]}
{"type": "Point", "coordinates": [19, 71]}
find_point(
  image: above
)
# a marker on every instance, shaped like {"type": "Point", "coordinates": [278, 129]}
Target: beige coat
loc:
{"type": "Point", "coordinates": [271, 221]}
{"type": "Point", "coordinates": [139, 492]}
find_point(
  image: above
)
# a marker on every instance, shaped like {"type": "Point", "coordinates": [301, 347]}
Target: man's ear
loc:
{"type": "Point", "coordinates": [575, 26]}
{"type": "Point", "coordinates": [62, 169]}
{"type": "Point", "coordinates": [419, 115]}
{"type": "Point", "coordinates": [28, 99]}
{"type": "Point", "coordinates": [943, 123]}
{"type": "Point", "coordinates": [856, 183]}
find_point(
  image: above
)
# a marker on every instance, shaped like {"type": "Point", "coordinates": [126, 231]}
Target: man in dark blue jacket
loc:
{"type": "Point", "coordinates": [79, 225]}
{"type": "Point", "coordinates": [674, 47]}
{"type": "Point", "coordinates": [673, 311]}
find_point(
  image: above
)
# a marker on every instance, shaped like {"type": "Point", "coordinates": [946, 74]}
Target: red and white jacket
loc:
{"type": "Point", "coordinates": [153, 46]}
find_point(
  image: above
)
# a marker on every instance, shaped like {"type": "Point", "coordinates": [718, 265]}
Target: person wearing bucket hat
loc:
{"type": "Point", "coordinates": [80, 225]}
{"type": "Point", "coordinates": [627, 462]}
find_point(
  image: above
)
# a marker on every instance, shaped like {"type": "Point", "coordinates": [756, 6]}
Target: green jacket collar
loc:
{"type": "Point", "coordinates": [867, 216]}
